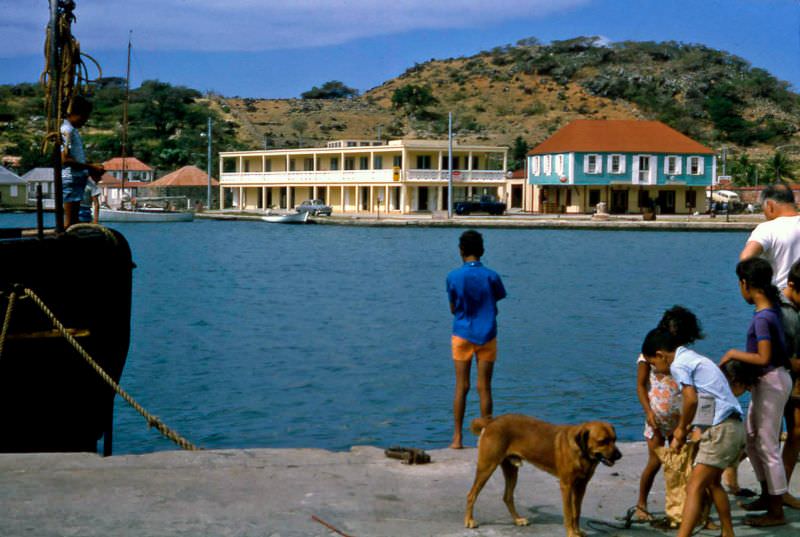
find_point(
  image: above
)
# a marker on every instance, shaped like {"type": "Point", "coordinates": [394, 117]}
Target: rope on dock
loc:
{"type": "Point", "coordinates": [152, 421]}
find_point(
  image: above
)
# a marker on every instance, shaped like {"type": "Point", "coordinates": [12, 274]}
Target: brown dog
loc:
{"type": "Point", "coordinates": [569, 452]}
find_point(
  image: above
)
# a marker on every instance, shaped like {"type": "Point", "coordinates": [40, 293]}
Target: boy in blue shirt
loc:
{"type": "Point", "coordinates": [75, 170]}
{"type": "Point", "coordinates": [722, 440]}
{"type": "Point", "coordinates": [473, 291]}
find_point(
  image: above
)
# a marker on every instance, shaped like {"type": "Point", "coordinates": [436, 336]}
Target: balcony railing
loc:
{"type": "Point", "coordinates": [359, 176]}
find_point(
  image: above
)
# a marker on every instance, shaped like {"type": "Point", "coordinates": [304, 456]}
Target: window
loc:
{"type": "Point", "coordinates": [308, 165]}
{"type": "Point", "coordinates": [423, 162]}
{"type": "Point", "coordinates": [616, 164]}
{"type": "Point", "coordinates": [334, 163]}
{"type": "Point", "coordinates": [349, 163]}
{"type": "Point", "coordinates": [377, 162]}
{"type": "Point", "coordinates": [363, 163]}
{"type": "Point", "coordinates": [445, 162]}
{"type": "Point", "coordinates": [535, 165]}
{"type": "Point", "coordinates": [691, 199]}
{"type": "Point", "coordinates": [694, 166]}
{"type": "Point", "coordinates": [246, 166]}
{"type": "Point", "coordinates": [592, 164]}
{"type": "Point", "coordinates": [397, 160]}
{"type": "Point", "coordinates": [267, 165]}
{"type": "Point", "coordinates": [292, 165]}
{"type": "Point", "coordinates": [672, 165]}
{"type": "Point", "coordinates": [475, 163]}
{"type": "Point", "coordinates": [560, 166]}
{"type": "Point", "coordinates": [14, 191]}
{"type": "Point", "coordinates": [547, 164]}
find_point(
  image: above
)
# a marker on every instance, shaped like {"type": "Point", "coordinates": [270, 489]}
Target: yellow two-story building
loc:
{"type": "Point", "coordinates": [362, 176]}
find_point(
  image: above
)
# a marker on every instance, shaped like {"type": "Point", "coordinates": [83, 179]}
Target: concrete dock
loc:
{"type": "Point", "coordinates": [518, 220]}
{"type": "Point", "coordinates": [276, 492]}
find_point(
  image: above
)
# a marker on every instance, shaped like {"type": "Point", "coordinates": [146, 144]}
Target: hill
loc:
{"type": "Point", "coordinates": [513, 95]}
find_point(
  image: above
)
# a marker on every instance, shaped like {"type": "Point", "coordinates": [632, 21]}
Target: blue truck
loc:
{"type": "Point", "coordinates": [480, 204]}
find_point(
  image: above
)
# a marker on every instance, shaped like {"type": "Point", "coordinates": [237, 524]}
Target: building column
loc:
{"type": "Point", "coordinates": [241, 198]}
{"type": "Point", "coordinates": [314, 192]}
{"type": "Point", "coordinates": [341, 197]}
{"type": "Point", "coordinates": [327, 195]}
{"type": "Point", "coordinates": [439, 198]}
{"type": "Point", "coordinates": [221, 197]}
{"type": "Point", "coordinates": [264, 197]}
{"type": "Point", "coordinates": [403, 195]}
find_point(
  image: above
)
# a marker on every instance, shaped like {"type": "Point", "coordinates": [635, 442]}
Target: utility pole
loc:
{"type": "Point", "coordinates": [450, 165]}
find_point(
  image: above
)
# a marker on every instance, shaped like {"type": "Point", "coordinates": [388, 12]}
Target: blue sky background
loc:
{"type": "Point", "coordinates": [264, 48]}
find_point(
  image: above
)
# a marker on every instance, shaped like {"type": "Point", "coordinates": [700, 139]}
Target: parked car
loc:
{"type": "Point", "coordinates": [315, 207]}
{"type": "Point", "coordinates": [480, 204]}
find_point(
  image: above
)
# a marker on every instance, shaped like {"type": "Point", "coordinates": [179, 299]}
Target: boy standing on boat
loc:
{"type": "Point", "coordinates": [473, 291]}
{"type": "Point", "coordinates": [75, 171]}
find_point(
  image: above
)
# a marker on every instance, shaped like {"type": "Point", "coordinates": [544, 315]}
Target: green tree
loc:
{"type": "Point", "coordinates": [743, 171]}
{"type": "Point", "coordinates": [519, 153]}
{"type": "Point", "coordinates": [778, 167]}
{"type": "Point", "coordinates": [332, 89]}
{"type": "Point", "coordinates": [413, 99]}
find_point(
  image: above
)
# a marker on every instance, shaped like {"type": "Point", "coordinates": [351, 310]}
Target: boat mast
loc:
{"type": "Point", "coordinates": [125, 122]}
{"type": "Point", "coordinates": [55, 113]}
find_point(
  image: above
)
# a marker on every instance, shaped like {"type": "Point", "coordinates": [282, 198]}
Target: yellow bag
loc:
{"type": "Point", "coordinates": [677, 468]}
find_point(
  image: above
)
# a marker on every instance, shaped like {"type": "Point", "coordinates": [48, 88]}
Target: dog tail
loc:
{"type": "Point", "coordinates": [479, 424]}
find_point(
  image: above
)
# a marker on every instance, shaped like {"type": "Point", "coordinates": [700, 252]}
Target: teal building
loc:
{"type": "Point", "coordinates": [627, 164]}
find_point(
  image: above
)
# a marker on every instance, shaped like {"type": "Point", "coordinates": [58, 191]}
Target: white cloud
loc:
{"type": "Point", "coordinates": [250, 25]}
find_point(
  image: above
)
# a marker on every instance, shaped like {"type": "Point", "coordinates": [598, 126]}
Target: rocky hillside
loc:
{"type": "Point", "coordinates": [511, 95]}
{"type": "Point", "coordinates": [531, 89]}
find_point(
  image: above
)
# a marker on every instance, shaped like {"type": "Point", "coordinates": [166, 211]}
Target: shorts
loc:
{"type": "Point", "coordinates": [721, 444]}
{"type": "Point", "coordinates": [73, 187]}
{"type": "Point", "coordinates": [463, 350]}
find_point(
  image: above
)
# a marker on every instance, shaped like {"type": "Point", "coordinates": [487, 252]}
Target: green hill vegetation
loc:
{"type": "Point", "coordinates": [514, 95]}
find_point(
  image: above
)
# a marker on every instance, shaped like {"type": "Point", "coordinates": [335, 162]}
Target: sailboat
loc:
{"type": "Point", "coordinates": [149, 214]}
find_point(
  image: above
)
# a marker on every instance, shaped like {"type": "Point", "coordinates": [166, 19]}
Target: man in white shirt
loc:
{"type": "Point", "coordinates": [778, 239]}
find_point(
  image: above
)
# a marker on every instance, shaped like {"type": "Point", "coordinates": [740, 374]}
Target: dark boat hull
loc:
{"type": "Point", "coordinates": [51, 400]}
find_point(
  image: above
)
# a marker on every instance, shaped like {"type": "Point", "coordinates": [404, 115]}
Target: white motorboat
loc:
{"type": "Point", "coordinates": [288, 218]}
{"type": "Point", "coordinates": [146, 215]}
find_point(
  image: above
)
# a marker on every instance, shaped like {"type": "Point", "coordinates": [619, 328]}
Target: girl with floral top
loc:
{"type": "Point", "coordinates": [659, 396]}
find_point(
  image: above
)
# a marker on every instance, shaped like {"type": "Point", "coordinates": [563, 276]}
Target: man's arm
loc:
{"type": "Point", "coordinates": [751, 249]}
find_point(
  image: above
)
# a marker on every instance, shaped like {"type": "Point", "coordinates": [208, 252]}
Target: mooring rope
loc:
{"type": "Point", "coordinates": [7, 320]}
{"type": "Point", "coordinates": [152, 421]}
{"type": "Point", "coordinates": [73, 75]}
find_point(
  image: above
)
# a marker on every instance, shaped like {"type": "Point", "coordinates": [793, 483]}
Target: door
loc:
{"type": "Point", "coordinates": [666, 201]}
{"type": "Point", "coordinates": [619, 201]}
{"type": "Point", "coordinates": [644, 169]}
{"type": "Point", "coordinates": [422, 198]}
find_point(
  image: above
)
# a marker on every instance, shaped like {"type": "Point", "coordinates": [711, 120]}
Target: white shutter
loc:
{"type": "Point", "coordinates": [622, 164]}
{"type": "Point", "coordinates": [635, 170]}
{"type": "Point", "coordinates": [609, 163]}
{"type": "Point", "coordinates": [560, 164]}
{"type": "Point", "coordinates": [14, 191]}
{"type": "Point", "coordinates": [586, 164]}
{"type": "Point", "coordinates": [678, 162]}
{"type": "Point", "coordinates": [598, 164]}
{"type": "Point", "coordinates": [700, 166]}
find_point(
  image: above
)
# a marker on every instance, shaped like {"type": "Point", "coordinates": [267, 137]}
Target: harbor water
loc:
{"type": "Point", "coordinates": [247, 334]}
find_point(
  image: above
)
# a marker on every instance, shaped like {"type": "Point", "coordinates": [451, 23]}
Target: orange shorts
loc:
{"type": "Point", "coordinates": [463, 350]}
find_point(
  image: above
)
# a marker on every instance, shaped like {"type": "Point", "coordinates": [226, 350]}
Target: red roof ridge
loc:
{"type": "Point", "coordinates": [619, 135]}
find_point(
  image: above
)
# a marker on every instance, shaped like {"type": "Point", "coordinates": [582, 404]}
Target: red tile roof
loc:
{"type": "Point", "coordinates": [132, 164]}
{"type": "Point", "coordinates": [619, 135]}
{"type": "Point", "coordinates": [186, 176]}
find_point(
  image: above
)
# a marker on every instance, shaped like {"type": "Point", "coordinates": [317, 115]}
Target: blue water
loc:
{"type": "Point", "coordinates": [246, 334]}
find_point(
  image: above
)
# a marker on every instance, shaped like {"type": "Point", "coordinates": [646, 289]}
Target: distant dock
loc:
{"type": "Point", "coordinates": [740, 223]}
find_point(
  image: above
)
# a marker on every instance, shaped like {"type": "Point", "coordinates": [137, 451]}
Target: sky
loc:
{"type": "Point", "coordinates": [279, 49]}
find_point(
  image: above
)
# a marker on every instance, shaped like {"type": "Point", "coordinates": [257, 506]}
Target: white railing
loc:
{"type": "Point", "coordinates": [359, 176]}
{"type": "Point", "coordinates": [266, 178]}
{"type": "Point", "coordinates": [464, 176]}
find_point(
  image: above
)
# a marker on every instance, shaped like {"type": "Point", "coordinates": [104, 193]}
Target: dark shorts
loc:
{"type": "Point", "coordinates": [73, 187]}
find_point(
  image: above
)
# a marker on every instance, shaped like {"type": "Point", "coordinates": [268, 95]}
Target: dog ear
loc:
{"type": "Point", "coordinates": [582, 439]}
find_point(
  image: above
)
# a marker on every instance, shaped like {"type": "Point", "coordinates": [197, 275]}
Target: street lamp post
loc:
{"type": "Point", "coordinates": [208, 197]}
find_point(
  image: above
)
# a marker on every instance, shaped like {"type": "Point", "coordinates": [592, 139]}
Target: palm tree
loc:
{"type": "Point", "coordinates": [779, 166]}
{"type": "Point", "coordinates": [743, 171]}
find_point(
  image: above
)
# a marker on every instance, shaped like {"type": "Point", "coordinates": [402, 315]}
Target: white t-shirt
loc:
{"type": "Point", "coordinates": [780, 239]}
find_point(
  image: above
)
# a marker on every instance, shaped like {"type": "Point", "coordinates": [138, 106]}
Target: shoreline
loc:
{"type": "Point", "coordinates": [276, 492]}
{"type": "Point", "coordinates": [736, 223]}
